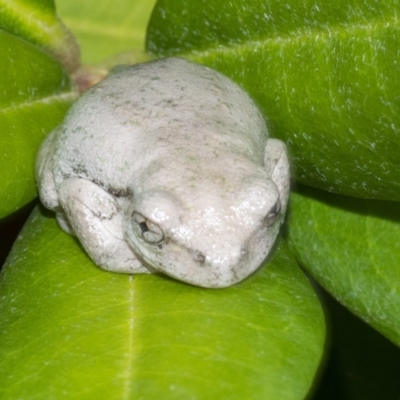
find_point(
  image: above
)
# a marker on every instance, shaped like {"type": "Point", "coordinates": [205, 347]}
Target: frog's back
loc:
{"type": "Point", "coordinates": [141, 112]}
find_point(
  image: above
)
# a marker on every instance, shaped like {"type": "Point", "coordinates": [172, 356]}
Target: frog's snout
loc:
{"type": "Point", "coordinates": [222, 261]}
{"type": "Point", "coordinates": [219, 268]}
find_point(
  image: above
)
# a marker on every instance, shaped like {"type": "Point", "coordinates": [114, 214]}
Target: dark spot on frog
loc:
{"type": "Point", "coordinates": [119, 192]}
{"type": "Point", "coordinates": [80, 171]}
{"type": "Point", "coordinates": [171, 103]}
{"type": "Point", "coordinates": [199, 257]}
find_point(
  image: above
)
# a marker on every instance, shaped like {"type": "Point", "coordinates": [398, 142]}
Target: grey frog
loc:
{"type": "Point", "coordinates": [167, 166]}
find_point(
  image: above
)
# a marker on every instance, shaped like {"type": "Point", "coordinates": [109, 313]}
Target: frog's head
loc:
{"type": "Point", "coordinates": [207, 240]}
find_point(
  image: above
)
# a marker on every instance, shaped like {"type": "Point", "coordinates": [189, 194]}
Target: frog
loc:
{"type": "Point", "coordinates": [167, 167]}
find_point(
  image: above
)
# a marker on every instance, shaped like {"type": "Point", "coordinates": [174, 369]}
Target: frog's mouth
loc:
{"type": "Point", "coordinates": [176, 260]}
{"type": "Point", "coordinates": [214, 264]}
{"type": "Point", "coordinates": [200, 268]}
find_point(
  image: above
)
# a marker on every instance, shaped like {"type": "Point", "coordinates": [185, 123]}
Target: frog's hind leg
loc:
{"type": "Point", "coordinates": [96, 219]}
{"type": "Point", "coordinates": [44, 173]}
{"type": "Point", "coordinates": [45, 181]}
{"type": "Point", "coordinates": [277, 164]}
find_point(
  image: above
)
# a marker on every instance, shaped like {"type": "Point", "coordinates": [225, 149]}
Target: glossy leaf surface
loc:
{"type": "Point", "coordinates": [351, 247]}
{"type": "Point", "coordinates": [326, 75]}
{"type": "Point", "coordinates": [69, 329]}
{"type": "Point", "coordinates": [37, 22]}
{"type": "Point", "coordinates": [34, 95]}
{"type": "Point", "coordinates": [108, 27]}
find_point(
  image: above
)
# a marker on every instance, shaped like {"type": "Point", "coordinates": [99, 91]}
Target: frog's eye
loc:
{"type": "Point", "coordinates": [146, 229]}
{"type": "Point", "coordinates": [273, 213]}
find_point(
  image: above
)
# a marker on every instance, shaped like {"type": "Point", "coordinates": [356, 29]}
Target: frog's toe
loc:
{"type": "Point", "coordinates": [124, 261]}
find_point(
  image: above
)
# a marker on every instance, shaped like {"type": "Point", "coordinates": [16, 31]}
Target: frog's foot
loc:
{"type": "Point", "coordinates": [123, 260]}
{"type": "Point", "coordinates": [63, 221]}
{"type": "Point", "coordinates": [44, 173]}
{"type": "Point", "coordinates": [277, 164]}
{"type": "Point", "coordinates": [95, 218]}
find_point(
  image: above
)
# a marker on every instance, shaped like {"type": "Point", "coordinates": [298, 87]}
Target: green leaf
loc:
{"type": "Point", "coordinates": [351, 247]}
{"type": "Point", "coordinates": [36, 21]}
{"type": "Point", "coordinates": [326, 75]}
{"type": "Point", "coordinates": [34, 96]}
{"type": "Point", "coordinates": [69, 329]}
{"type": "Point", "coordinates": [106, 28]}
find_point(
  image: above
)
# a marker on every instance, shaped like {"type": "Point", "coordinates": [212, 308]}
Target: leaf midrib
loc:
{"type": "Point", "coordinates": [66, 96]}
{"type": "Point", "coordinates": [128, 376]}
{"type": "Point", "coordinates": [300, 35]}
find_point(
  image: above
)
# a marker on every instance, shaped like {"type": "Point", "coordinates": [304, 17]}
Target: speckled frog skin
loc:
{"type": "Point", "coordinates": [167, 167]}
